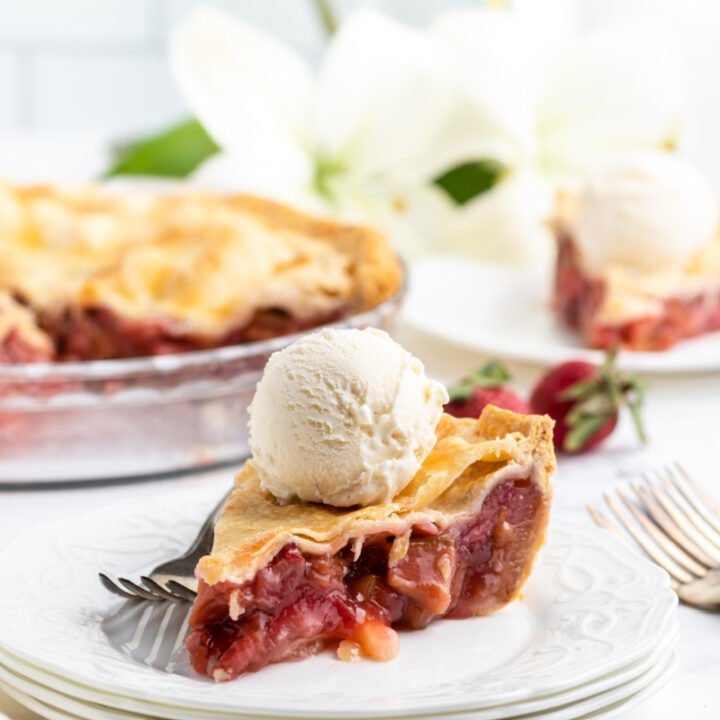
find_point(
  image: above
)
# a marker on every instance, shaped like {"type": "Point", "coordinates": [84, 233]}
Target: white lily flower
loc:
{"type": "Point", "coordinates": [391, 108]}
{"type": "Point", "coordinates": [507, 222]}
{"type": "Point", "coordinates": [607, 94]}
{"type": "Point", "coordinates": [382, 102]}
{"type": "Point", "coordinates": [380, 116]}
{"type": "Point", "coordinates": [594, 96]}
{"type": "Point", "coordinates": [254, 97]}
{"type": "Point", "coordinates": [375, 111]}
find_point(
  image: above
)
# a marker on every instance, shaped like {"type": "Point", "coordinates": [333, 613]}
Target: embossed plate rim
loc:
{"type": "Point", "coordinates": [659, 676]}
{"type": "Point", "coordinates": [129, 528]}
{"type": "Point", "coordinates": [38, 678]}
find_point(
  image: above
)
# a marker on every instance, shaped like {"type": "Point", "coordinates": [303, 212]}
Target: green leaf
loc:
{"type": "Point", "coordinates": [598, 399]}
{"type": "Point", "coordinates": [496, 371]}
{"type": "Point", "coordinates": [467, 181]}
{"type": "Point", "coordinates": [492, 374]}
{"type": "Point", "coordinates": [176, 152]}
{"type": "Point", "coordinates": [592, 406]}
{"type": "Point", "coordinates": [579, 389]}
{"type": "Point", "coordinates": [635, 407]}
{"type": "Point", "coordinates": [575, 440]}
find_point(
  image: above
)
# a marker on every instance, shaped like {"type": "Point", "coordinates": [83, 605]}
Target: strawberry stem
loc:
{"type": "Point", "coordinates": [575, 440]}
{"type": "Point", "coordinates": [492, 374]}
{"type": "Point", "coordinates": [598, 400]}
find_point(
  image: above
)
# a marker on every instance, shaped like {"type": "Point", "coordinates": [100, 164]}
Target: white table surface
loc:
{"type": "Point", "coordinates": [683, 420]}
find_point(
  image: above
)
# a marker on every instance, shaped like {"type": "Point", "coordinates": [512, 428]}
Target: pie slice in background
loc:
{"type": "Point", "coordinates": [638, 255]}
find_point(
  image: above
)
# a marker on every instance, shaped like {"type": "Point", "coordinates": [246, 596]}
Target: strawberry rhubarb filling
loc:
{"type": "Point", "coordinates": [580, 297]}
{"type": "Point", "coordinates": [300, 604]}
{"type": "Point", "coordinates": [14, 348]}
{"type": "Point", "coordinates": [101, 334]}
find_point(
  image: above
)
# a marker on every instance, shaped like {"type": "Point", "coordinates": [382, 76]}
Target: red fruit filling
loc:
{"type": "Point", "coordinates": [579, 297]}
{"type": "Point", "coordinates": [15, 349]}
{"type": "Point", "coordinates": [100, 334]}
{"type": "Point", "coordinates": [299, 604]}
{"type": "Point", "coordinates": [499, 397]}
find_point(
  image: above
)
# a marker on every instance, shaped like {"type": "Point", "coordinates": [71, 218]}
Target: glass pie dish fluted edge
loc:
{"type": "Point", "coordinates": [140, 417]}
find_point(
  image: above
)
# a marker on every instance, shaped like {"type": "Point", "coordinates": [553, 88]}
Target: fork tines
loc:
{"type": "Point", "coordinates": [149, 590]}
{"type": "Point", "coordinates": [671, 518]}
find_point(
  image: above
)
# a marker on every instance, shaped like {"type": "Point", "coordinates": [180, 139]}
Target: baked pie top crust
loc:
{"type": "Point", "coordinates": [201, 262]}
{"type": "Point", "coordinates": [469, 459]}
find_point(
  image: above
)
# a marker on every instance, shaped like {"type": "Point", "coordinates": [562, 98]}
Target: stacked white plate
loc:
{"type": "Point", "coordinates": [594, 634]}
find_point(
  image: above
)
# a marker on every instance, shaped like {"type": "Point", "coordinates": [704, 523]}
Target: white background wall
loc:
{"type": "Point", "coordinates": [100, 65]}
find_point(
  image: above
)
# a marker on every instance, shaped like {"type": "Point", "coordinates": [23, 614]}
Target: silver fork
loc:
{"type": "Point", "coordinates": [174, 579]}
{"type": "Point", "coordinates": [677, 524]}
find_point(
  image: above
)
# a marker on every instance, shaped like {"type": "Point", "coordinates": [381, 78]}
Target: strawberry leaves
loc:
{"type": "Point", "coordinates": [491, 375]}
{"type": "Point", "coordinates": [596, 402]}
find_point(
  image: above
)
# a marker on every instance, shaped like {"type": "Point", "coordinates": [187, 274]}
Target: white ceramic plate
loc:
{"type": "Point", "coordinates": [72, 697]}
{"type": "Point", "coordinates": [589, 609]}
{"type": "Point", "coordinates": [605, 705]}
{"type": "Point", "coordinates": [505, 311]}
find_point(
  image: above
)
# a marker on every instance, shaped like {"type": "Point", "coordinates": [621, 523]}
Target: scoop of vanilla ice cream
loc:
{"type": "Point", "coordinates": [343, 417]}
{"type": "Point", "coordinates": [647, 213]}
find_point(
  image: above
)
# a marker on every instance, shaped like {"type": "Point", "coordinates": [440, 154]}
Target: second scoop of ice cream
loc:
{"type": "Point", "coordinates": [343, 417]}
{"type": "Point", "coordinates": [647, 213]}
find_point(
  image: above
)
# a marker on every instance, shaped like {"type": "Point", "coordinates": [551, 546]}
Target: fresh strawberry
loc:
{"type": "Point", "coordinates": [484, 386]}
{"type": "Point", "coordinates": [500, 397]}
{"type": "Point", "coordinates": [585, 400]}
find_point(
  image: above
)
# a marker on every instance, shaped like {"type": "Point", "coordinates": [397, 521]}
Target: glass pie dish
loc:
{"type": "Point", "coordinates": [121, 419]}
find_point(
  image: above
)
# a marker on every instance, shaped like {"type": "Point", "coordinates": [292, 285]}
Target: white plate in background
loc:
{"type": "Point", "coordinates": [504, 311]}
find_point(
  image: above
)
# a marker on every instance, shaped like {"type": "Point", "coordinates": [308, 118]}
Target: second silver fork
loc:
{"type": "Point", "coordinates": [677, 524]}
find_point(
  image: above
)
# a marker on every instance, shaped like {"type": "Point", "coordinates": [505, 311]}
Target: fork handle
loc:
{"type": "Point", "coordinates": [704, 591]}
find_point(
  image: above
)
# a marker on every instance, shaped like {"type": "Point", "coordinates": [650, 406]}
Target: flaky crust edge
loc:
{"type": "Point", "coordinates": [376, 270]}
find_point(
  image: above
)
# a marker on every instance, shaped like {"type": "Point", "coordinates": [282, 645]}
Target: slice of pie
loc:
{"type": "Point", "coordinates": [110, 275]}
{"type": "Point", "coordinates": [621, 307]}
{"type": "Point", "coordinates": [285, 581]}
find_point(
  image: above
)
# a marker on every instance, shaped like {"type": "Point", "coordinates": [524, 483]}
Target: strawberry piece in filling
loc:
{"type": "Point", "coordinates": [300, 604]}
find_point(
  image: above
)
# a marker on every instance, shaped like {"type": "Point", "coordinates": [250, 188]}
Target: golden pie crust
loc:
{"type": "Point", "coordinates": [197, 263]}
{"type": "Point", "coordinates": [469, 459]}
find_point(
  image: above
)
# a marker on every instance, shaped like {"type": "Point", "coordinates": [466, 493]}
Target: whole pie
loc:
{"type": "Point", "coordinates": [287, 580]}
{"type": "Point", "coordinates": [88, 274]}
{"type": "Point", "coordinates": [621, 307]}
